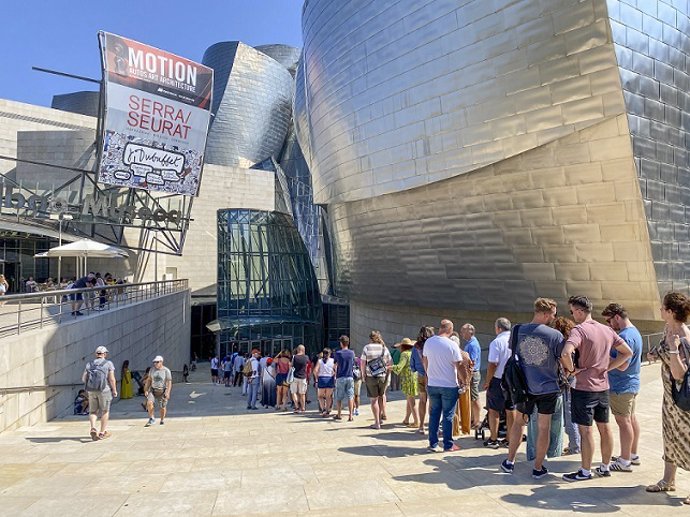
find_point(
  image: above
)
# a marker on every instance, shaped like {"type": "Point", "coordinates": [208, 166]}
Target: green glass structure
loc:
{"type": "Point", "coordinates": [268, 295]}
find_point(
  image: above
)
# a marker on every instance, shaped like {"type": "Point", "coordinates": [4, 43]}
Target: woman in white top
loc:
{"type": "Point", "coordinates": [4, 286]}
{"type": "Point", "coordinates": [324, 373]}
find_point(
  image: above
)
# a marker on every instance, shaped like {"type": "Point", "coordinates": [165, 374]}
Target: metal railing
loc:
{"type": "Point", "coordinates": [22, 312]}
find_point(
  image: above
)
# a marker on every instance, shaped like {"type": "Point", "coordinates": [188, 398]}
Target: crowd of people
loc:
{"type": "Point", "coordinates": [558, 377]}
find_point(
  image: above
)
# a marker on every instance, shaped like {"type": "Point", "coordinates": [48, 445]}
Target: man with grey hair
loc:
{"type": "Point", "coordinates": [496, 399]}
{"type": "Point", "coordinates": [99, 379]}
{"type": "Point", "coordinates": [474, 350]}
{"type": "Point", "coordinates": [442, 362]}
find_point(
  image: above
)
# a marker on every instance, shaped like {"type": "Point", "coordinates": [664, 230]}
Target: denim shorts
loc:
{"type": "Point", "coordinates": [344, 389]}
{"type": "Point", "coordinates": [326, 383]}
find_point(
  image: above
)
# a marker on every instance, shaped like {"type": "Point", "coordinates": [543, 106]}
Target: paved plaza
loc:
{"type": "Point", "coordinates": [214, 458]}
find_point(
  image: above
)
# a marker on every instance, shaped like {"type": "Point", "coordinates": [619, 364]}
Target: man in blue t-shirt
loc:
{"type": "Point", "coordinates": [539, 350]}
{"type": "Point", "coordinates": [344, 380]}
{"type": "Point", "coordinates": [474, 350]}
{"type": "Point", "coordinates": [624, 385]}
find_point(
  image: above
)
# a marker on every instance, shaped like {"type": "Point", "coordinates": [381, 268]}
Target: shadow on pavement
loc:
{"type": "Point", "coordinates": [58, 439]}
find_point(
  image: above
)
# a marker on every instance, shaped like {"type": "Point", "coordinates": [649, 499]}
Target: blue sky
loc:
{"type": "Point", "coordinates": [61, 35]}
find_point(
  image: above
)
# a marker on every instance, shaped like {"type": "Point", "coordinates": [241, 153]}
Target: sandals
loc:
{"type": "Point", "coordinates": [686, 500]}
{"type": "Point", "coordinates": [663, 486]}
{"type": "Point", "coordinates": [94, 434]}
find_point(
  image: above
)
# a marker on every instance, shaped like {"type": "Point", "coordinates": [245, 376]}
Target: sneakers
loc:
{"type": "Point", "coordinates": [538, 474]}
{"type": "Point", "coordinates": [492, 444]}
{"type": "Point", "coordinates": [162, 422]}
{"type": "Point", "coordinates": [603, 473]}
{"type": "Point", "coordinates": [434, 448]}
{"type": "Point", "coordinates": [356, 413]}
{"type": "Point", "coordinates": [454, 448]}
{"type": "Point", "coordinates": [635, 460]}
{"type": "Point", "coordinates": [619, 466]}
{"type": "Point", "coordinates": [150, 422]}
{"type": "Point", "coordinates": [577, 476]}
{"type": "Point", "coordinates": [507, 467]}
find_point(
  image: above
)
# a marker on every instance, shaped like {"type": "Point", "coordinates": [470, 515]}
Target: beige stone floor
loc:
{"type": "Point", "coordinates": [214, 458]}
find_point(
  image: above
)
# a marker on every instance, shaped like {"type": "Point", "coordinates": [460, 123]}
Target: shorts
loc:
{"type": "Point", "coordinates": [588, 405]}
{"type": "Point", "coordinates": [474, 385]}
{"type": "Point", "coordinates": [497, 398]}
{"type": "Point", "coordinates": [344, 389]}
{"type": "Point", "coordinates": [358, 387]}
{"type": "Point", "coordinates": [299, 386]}
{"type": "Point", "coordinates": [214, 372]}
{"type": "Point", "coordinates": [281, 379]}
{"type": "Point", "coordinates": [100, 400]}
{"type": "Point", "coordinates": [421, 384]}
{"type": "Point", "coordinates": [161, 401]}
{"type": "Point", "coordinates": [325, 383]}
{"type": "Point", "coordinates": [226, 374]}
{"type": "Point", "coordinates": [376, 386]}
{"type": "Point", "coordinates": [76, 296]}
{"type": "Point", "coordinates": [545, 404]}
{"type": "Point", "coordinates": [622, 404]}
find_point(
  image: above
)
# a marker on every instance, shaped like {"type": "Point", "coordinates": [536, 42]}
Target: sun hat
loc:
{"type": "Point", "coordinates": [101, 350]}
{"type": "Point", "coordinates": [158, 358]}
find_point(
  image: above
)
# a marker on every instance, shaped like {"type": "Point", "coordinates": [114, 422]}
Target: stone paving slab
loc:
{"type": "Point", "coordinates": [214, 458]}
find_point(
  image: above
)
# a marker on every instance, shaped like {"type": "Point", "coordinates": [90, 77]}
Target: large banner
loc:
{"type": "Point", "coordinates": [157, 109]}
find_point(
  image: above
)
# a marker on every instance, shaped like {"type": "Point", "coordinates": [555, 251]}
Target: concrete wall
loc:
{"type": "Point", "coordinates": [57, 355]}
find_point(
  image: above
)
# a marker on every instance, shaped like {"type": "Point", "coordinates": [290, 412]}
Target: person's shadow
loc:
{"type": "Point", "coordinates": [588, 499]}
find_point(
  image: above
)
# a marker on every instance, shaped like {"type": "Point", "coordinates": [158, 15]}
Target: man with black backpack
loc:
{"type": "Point", "coordinates": [536, 348]}
{"type": "Point", "coordinates": [99, 380]}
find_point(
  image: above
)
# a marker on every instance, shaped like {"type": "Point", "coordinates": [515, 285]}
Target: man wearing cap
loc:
{"type": "Point", "coordinates": [157, 389]}
{"type": "Point", "coordinates": [100, 393]}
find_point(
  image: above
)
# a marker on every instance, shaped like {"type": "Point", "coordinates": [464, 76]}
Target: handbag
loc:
{"type": "Point", "coordinates": [290, 375]}
{"type": "Point", "coordinates": [377, 366]}
{"type": "Point", "coordinates": [681, 396]}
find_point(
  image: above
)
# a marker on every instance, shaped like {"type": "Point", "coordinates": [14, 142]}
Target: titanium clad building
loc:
{"type": "Point", "coordinates": [474, 155]}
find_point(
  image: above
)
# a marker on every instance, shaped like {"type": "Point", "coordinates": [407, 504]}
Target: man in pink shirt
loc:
{"type": "Point", "coordinates": [592, 342]}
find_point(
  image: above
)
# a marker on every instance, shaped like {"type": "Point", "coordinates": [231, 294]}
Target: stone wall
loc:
{"type": "Point", "coordinates": [55, 356]}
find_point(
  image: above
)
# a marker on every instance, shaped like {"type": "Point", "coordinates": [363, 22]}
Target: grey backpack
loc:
{"type": "Point", "coordinates": [97, 378]}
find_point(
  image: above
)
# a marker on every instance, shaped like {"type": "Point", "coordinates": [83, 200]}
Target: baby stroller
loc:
{"type": "Point", "coordinates": [483, 428]}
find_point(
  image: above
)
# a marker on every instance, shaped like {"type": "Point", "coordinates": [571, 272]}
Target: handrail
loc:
{"type": "Point", "coordinates": [21, 312]}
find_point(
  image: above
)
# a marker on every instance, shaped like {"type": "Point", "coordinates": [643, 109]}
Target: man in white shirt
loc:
{"type": "Point", "coordinates": [442, 360]}
{"type": "Point", "coordinates": [496, 401]}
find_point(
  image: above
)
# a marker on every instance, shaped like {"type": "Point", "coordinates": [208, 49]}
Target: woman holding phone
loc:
{"type": "Point", "coordinates": [674, 352]}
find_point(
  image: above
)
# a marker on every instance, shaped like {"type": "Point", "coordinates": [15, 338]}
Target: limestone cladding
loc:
{"type": "Point", "coordinates": [55, 357]}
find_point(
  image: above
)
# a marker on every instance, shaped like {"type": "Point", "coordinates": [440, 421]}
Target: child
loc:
{"type": "Point", "coordinates": [81, 403]}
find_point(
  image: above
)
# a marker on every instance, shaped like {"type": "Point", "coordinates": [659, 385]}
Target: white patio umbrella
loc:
{"type": "Point", "coordinates": [84, 248]}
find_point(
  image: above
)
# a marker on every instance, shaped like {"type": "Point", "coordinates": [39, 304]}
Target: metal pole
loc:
{"type": "Point", "coordinates": [59, 277]}
{"type": "Point", "coordinates": [156, 257]}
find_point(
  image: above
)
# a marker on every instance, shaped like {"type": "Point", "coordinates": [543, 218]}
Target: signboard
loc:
{"type": "Point", "coordinates": [157, 111]}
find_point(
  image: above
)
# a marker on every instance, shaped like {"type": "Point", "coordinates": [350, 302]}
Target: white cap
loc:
{"type": "Point", "coordinates": [158, 358]}
{"type": "Point", "coordinates": [101, 350]}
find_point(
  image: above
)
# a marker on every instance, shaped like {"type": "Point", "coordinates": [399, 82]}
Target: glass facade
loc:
{"type": "Point", "coordinates": [17, 261]}
{"type": "Point", "coordinates": [268, 295]}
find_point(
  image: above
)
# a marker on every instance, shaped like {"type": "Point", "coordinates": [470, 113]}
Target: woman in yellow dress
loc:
{"type": "Point", "coordinates": [408, 381]}
{"type": "Point", "coordinates": [126, 390]}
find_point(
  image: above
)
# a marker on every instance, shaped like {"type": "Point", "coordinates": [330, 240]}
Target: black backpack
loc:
{"type": "Point", "coordinates": [514, 380]}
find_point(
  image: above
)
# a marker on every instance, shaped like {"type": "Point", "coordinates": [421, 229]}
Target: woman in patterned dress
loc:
{"type": "Point", "coordinates": [674, 352]}
{"type": "Point", "coordinates": [408, 381]}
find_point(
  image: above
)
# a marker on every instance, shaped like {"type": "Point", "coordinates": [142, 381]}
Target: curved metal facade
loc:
{"type": "Point", "coordinates": [475, 156]}
{"type": "Point", "coordinates": [84, 103]}
{"type": "Point", "coordinates": [285, 55]}
{"type": "Point", "coordinates": [252, 105]}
